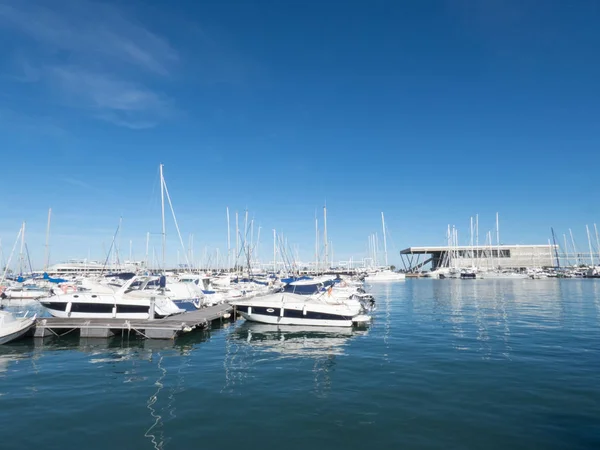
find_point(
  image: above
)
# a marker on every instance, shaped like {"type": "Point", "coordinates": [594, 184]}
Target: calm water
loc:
{"type": "Point", "coordinates": [445, 364]}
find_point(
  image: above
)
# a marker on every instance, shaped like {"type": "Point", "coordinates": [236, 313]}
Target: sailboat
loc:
{"type": "Point", "coordinates": [385, 274]}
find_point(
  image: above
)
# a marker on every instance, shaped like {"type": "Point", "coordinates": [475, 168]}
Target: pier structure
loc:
{"type": "Point", "coordinates": [167, 328]}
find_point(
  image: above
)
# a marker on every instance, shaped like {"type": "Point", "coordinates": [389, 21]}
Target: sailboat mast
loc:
{"type": "Point", "coordinates": [251, 252]}
{"type": "Point", "coordinates": [597, 241]}
{"type": "Point", "coordinates": [47, 249]}
{"type": "Point", "coordinates": [258, 244]}
{"type": "Point", "coordinates": [245, 243]}
{"type": "Point", "coordinates": [376, 249]}
{"type": "Point", "coordinates": [574, 248]}
{"type": "Point", "coordinates": [21, 256]}
{"type": "Point", "coordinates": [477, 240]}
{"type": "Point", "coordinates": [274, 251]}
{"type": "Point", "coordinates": [384, 239]}
{"type": "Point", "coordinates": [147, 246]}
{"type": "Point", "coordinates": [228, 242]}
{"type": "Point", "coordinates": [11, 255]}
{"type": "Point", "coordinates": [498, 234]}
{"type": "Point", "coordinates": [162, 206]}
{"type": "Point", "coordinates": [555, 248]}
{"type": "Point", "coordinates": [237, 238]}
{"type": "Point", "coordinates": [590, 245]}
{"type": "Point", "coordinates": [471, 240]}
{"type": "Point", "coordinates": [325, 237]}
{"type": "Point", "coordinates": [568, 263]}
{"type": "Point", "coordinates": [316, 243]}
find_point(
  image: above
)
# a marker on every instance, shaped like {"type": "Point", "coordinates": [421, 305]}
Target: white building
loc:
{"type": "Point", "coordinates": [482, 257]}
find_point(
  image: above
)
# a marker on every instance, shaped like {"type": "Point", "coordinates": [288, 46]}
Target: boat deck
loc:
{"type": "Point", "coordinates": [167, 328]}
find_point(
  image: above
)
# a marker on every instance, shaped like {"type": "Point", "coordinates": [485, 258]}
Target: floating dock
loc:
{"type": "Point", "coordinates": [167, 328]}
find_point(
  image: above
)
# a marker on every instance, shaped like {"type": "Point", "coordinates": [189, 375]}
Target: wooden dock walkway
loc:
{"type": "Point", "coordinates": [167, 328]}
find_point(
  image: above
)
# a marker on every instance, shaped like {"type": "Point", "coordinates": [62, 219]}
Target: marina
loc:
{"type": "Point", "coordinates": [301, 225]}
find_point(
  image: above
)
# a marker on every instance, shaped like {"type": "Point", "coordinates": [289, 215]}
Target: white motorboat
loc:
{"type": "Point", "coordinates": [501, 275]}
{"type": "Point", "coordinates": [285, 308]}
{"type": "Point", "coordinates": [12, 327]}
{"type": "Point", "coordinates": [125, 303]}
{"type": "Point", "coordinates": [23, 292]}
{"type": "Point", "coordinates": [384, 276]}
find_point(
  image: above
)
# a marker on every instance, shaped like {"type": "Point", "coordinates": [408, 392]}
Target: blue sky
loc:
{"type": "Point", "coordinates": [430, 111]}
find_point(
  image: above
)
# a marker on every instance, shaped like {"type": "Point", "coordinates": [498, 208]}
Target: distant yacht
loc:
{"type": "Point", "coordinates": [384, 276]}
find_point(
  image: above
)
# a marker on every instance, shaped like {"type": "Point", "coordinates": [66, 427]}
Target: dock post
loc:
{"type": "Point", "coordinates": [152, 306]}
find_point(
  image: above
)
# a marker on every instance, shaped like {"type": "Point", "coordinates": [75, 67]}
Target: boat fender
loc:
{"type": "Point", "coordinates": [68, 309]}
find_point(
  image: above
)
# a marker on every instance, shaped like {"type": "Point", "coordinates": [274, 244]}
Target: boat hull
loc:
{"type": "Point", "coordinates": [275, 320]}
{"type": "Point", "coordinates": [24, 294]}
{"type": "Point", "coordinates": [100, 310]}
{"type": "Point", "coordinates": [18, 332]}
{"type": "Point", "coordinates": [385, 277]}
{"type": "Point", "coordinates": [275, 315]}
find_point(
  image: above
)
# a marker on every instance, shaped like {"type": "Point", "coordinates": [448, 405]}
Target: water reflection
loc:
{"type": "Point", "coordinates": [252, 344]}
{"type": "Point", "coordinates": [156, 366]}
{"type": "Point", "coordinates": [8, 357]}
{"type": "Point", "coordinates": [482, 314]}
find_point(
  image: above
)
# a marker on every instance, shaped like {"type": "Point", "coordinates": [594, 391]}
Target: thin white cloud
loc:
{"type": "Point", "coordinates": [89, 29]}
{"type": "Point", "coordinates": [77, 183]}
{"type": "Point", "coordinates": [111, 59]}
{"type": "Point", "coordinates": [111, 99]}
